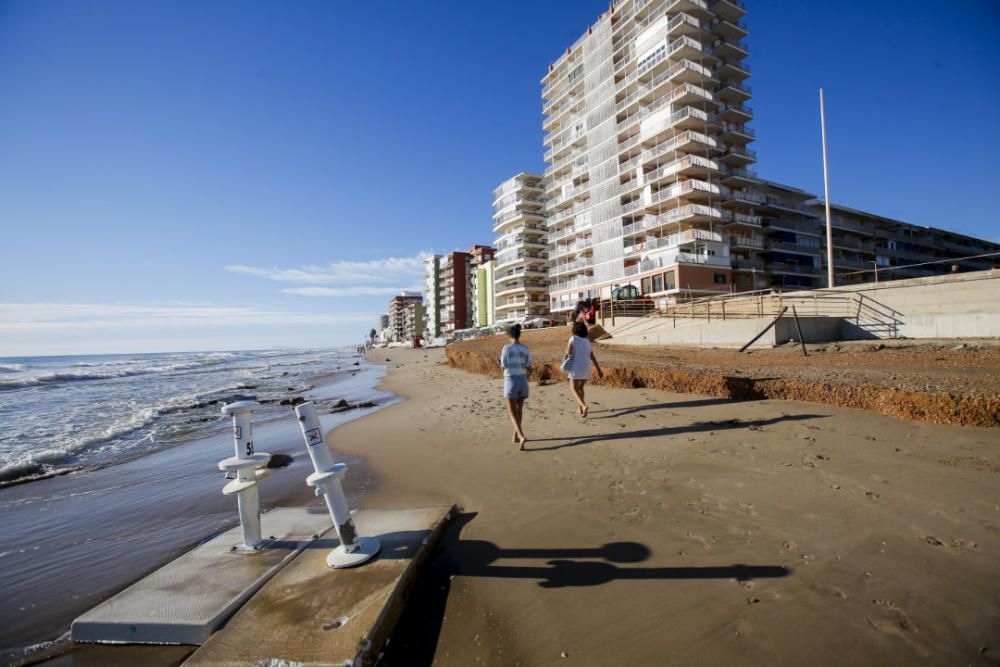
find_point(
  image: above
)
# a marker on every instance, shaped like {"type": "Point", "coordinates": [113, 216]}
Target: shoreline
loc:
{"type": "Point", "coordinates": [627, 536]}
{"type": "Point", "coordinates": [80, 538]}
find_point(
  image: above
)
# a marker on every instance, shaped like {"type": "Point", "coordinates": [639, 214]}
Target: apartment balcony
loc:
{"type": "Point", "coordinates": [517, 274]}
{"type": "Point", "coordinates": [691, 190]}
{"type": "Point", "coordinates": [678, 240]}
{"type": "Point", "coordinates": [738, 176]}
{"type": "Point", "coordinates": [801, 209]}
{"type": "Point", "coordinates": [730, 10]}
{"type": "Point", "coordinates": [733, 29]}
{"type": "Point", "coordinates": [784, 246]}
{"type": "Point", "coordinates": [748, 265]}
{"type": "Point", "coordinates": [687, 141]}
{"type": "Point", "coordinates": [689, 214]}
{"type": "Point", "coordinates": [731, 91]}
{"type": "Point", "coordinates": [571, 267]}
{"type": "Point", "coordinates": [686, 71]}
{"type": "Point", "coordinates": [660, 260]}
{"type": "Point", "coordinates": [567, 250]}
{"type": "Point", "coordinates": [516, 288]}
{"type": "Point", "coordinates": [732, 48]}
{"type": "Point", "coordinates": [741, 197]}
{"type": "Point", "coordinates": [521, 303]}
{"type": "Point", "coordinates": [517, 220]}
{"type": "Point", "coordinates": [801, 227]}
{"type": "Point", "coordinates": [695, 7]}
{"type": "Point", "coordinates": [745, 220]}
{"type": "Point", "coordinates": [689, 165]}
{"type": "Point", "coordinates": [735, 112]}
{"type": "Point", "coordinates": [505, 261]}
{"type": "Point", "coordinates": [853, 244]}
{"type": "Point", "coordinates": [800, 269]}
{"type": "Point", "coordinates": [734, 133]}
{"type": "Point", "coordinates": [576, 283]}
{"type": "Point", "coordinates": [732, 69]}
{"type": "Point", "coordinates": [739, 156]}
{"type": "Point", "coordinates": [751, 242]}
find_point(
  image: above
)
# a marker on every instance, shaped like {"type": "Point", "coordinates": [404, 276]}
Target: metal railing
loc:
{"type": "Point", "coordinates": [769, 303]}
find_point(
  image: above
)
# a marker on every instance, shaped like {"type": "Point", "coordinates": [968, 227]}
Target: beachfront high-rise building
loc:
{"type": "Point", "coordinates": [455, 299]}
{"type": "Point", "coordinates": [646, 137]}
{"type": "Point", "coordinates": [413, 320]}
{"type": "Point", "coordinates": [481, 266]}
{"type": "Point", "coordinates": [521, 287]}
{"type": "Point", "coordinates": [400, 320]}
{"type": "Point", "coordinates": [432, 295]}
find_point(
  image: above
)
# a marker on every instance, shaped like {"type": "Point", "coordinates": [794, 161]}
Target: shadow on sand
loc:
{"type": "Point", "coordinates": [697, 427]}
{"type": "Point", "coordinates": [697, 403]}
{"type": "Point", "coordinates": [416, 637]}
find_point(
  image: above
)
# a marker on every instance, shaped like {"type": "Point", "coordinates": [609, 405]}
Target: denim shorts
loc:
{"type": "Point", "coordinates": [515, 386]}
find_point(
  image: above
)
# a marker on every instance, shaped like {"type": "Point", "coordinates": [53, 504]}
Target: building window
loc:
{"type": "Point", "coordinates": [669, 282]}
{"type": "Point", "coordinates": [658, 282]}
{"type": "Point", "coordinates": [647, 283]}
{"type": "Point", "coordinates": [720, 278]}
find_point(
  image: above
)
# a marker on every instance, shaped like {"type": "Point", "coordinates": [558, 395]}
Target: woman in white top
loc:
{"type": "Point", "coordinates": [581, 351]}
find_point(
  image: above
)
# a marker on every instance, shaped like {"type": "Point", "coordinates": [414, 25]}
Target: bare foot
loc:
{"type": "Point", "coordinates": [521, 449]}
{"type": "Point", "coordinates": [584, 413]}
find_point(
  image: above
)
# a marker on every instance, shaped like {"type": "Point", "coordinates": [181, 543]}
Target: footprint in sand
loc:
{"type": "Point", "coordinates": [829, 591]}
{"type": "Point", "coordinates": [890, 619]}
{"type": "Point", "coordinates": [957, 543]}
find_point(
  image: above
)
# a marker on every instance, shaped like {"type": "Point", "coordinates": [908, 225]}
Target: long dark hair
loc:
{"type": "Point", "coordinates": [580, 329]}
{"type": "Point", "coordinates": [514, 331]}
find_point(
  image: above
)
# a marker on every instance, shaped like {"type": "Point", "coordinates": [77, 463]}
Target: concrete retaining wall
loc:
{"type": "Point", "coordinates": [962, 305]}
{"type": "Point", "coordinates": [730, 333]}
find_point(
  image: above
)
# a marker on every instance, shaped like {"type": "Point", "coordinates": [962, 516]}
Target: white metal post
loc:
{"type": "Point", "coordinates": [353, 550]}
{"type": "Point", "coordinates": [244, 464]}
{"type": "Point", "coordinates": [826, 195]}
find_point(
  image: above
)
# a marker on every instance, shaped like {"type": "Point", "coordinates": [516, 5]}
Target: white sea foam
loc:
{"type": "Point", "coordinates": [85, 412]}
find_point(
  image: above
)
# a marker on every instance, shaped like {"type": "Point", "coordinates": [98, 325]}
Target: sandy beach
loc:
{"type": "Point", "coordinates": [684, 529]}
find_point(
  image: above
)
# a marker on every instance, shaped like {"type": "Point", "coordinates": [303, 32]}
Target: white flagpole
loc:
{"type": "Point", "coordinates": [826, 195]}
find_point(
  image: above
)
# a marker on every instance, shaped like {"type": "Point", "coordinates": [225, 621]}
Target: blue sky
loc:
{"type": "Point", "coordinates": [223, 175]}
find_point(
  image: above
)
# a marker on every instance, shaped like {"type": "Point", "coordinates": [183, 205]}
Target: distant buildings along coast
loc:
{"type": "Point", "coordinates": [650, 182]}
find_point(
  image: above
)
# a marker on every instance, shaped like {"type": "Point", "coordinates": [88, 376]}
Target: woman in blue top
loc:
{"type": "Point", "coordinates": [515, 358]}
{"type": "Point", "coordinates": [581, 352]}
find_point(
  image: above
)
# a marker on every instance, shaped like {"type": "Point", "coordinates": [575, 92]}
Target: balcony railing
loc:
{"type": "Point", "coordinates": [782, 267]}
{"type": "Point", "coordinates": [746, 242]}
{"type": "Point", "coordinates": [792, 247]}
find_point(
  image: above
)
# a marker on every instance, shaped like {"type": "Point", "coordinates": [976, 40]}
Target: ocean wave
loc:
{"type": "Point", "coordinates": [103, 372]}
{"type": "Point", "coordinates": [19, 383]}
{"type": "Point", "coordinates": [11, 368]}
{"type": "Point", "coordinates": [53, 459]}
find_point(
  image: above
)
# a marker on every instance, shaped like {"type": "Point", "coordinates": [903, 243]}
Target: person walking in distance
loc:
{"type": "Point", "coordinates": [515, 358]}
{"type": "Point", "coordinates": [579, 355]}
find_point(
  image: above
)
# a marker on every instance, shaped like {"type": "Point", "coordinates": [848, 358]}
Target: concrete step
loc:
{"type": "Point", "coordinates": [311, 614]}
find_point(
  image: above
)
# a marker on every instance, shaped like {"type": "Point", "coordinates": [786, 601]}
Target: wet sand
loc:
{"type": "Point", "coordinates": [683, 529]}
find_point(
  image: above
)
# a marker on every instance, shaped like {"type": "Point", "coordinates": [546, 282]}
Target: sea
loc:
{"type": "Point", "coordinates": [110, 466]}
{"type": "Point", "coordinates": [61, 414]}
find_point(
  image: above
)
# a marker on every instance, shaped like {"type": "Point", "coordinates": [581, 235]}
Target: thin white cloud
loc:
{"type": "Point", "coordinates": [25, 317]}
{"type": "Point", "coordinates": [360, 290]}
{"type": "Point", "coordinates": [377, 272]}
